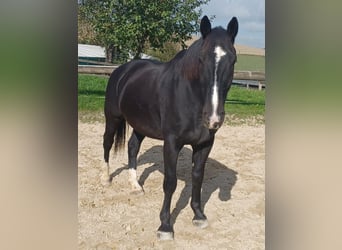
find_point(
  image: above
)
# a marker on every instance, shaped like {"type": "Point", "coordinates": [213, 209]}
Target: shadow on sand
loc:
{"type": "Point", "coordinates": [216, 176]}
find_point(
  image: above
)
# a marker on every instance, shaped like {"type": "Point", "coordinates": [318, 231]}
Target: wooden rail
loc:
{"type": "Point", "coordinates": [92, 62]}
{"type": "Point", "coordinates": [95, 69]}
{"type": "Point", "coordinates": [258, 77]}
{"type": "Point", "coordinates": [249, 75]}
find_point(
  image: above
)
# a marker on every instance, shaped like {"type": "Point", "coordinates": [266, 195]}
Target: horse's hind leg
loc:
{"type": "Point", "coordinates": [133, 150]}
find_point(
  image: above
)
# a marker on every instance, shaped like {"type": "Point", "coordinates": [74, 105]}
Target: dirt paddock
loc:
{"type": "Point", "coordinates": [233, 194]}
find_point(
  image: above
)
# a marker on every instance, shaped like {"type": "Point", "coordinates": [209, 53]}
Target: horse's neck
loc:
{"type": "Point", "coordinates": [190, 70]}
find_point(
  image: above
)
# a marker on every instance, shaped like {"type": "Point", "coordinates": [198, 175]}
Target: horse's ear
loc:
{"type": "Point", "coordinates": [232, 28]}
{"type": "Point", "coordinates": [205, 26]}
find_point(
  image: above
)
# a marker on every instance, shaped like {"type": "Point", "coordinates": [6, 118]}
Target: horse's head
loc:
{"type": "Point", "coordinates": [217, 59]}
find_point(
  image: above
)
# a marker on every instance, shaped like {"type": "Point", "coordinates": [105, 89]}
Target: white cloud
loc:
{"type": "Point", "coordinates": [250, 14]}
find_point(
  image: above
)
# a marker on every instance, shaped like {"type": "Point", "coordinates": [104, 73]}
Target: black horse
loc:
{"type": "Point", "coordinates": [180, 102]}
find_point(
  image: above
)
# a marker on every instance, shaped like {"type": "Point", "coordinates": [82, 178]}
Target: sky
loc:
{"type": "Point", "coordinates": [250, 15]}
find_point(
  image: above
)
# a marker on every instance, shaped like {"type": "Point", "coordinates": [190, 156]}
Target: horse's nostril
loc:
{"type": "Point", "coordinates": [216, 125]}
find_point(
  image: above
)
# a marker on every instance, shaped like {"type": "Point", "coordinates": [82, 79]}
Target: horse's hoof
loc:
{"type": "Point", "coordinates": [164, 235]}
{"type": "Point", "coordinates": [138, 192]}
{"type": "Point", "coordinates": [136, 188]}
{"type": "Point", "coordinates": [105, 179]}
{"type": "Point", "coordinates": [200, 223]}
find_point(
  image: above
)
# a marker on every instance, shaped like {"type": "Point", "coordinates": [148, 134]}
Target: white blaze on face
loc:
{"type": "Point", "coordinates": [214, 117]}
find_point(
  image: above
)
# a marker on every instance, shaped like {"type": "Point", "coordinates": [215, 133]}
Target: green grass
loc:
{"type": "Point", "coordinates": [242, 104]}
{"type": "Point", "coordinates": [250, 62]}
{"type": "Point", "coordinates": [91, 92]}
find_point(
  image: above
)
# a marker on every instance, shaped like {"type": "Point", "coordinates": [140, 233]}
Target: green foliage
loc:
{"type": "Point", "coordinates": [129, 25]}
{"type": "Point", "coordinates": [86, 33]}
{"type": "Point", "coordinates": [166, 53]}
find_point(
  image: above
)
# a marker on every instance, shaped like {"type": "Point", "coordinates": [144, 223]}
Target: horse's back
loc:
{"type": "Point", "coordinates": [119, 76]}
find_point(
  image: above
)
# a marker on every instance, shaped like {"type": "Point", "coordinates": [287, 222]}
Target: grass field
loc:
{"type": "Point", "coordinates": [250, 62]}
{"type": "Point", "coordinates": [242, 104]}
{"type": "Point", "coordinates": [91, 92]}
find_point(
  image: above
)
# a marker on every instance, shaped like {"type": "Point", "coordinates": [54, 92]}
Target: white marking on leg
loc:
{"type": "Point", "coordinates": [133, 179]}
{"type": "Point", "coordinates": [164, 235]}
{"type": "Point", "coordinates": [108, 167]}
{"type": "Point", "coordinates": [105, 175]}
{"type": "Point", "coordinates": [214, 117]}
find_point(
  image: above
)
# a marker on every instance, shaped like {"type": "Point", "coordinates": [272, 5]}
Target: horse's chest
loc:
{"type": "Point", "coordinates": [194, 135]}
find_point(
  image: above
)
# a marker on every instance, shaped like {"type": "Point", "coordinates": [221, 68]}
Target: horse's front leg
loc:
{"type": "Point", "coordinates": [200, 156]}
{"type": "Point", "coordinates": [171, 151]}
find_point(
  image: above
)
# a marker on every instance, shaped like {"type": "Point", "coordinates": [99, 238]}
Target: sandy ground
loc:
{"type": "Point", "coordinates": [112, 217]}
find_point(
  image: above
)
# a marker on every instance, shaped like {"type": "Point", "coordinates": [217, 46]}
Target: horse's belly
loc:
{"type": "Point", "coordinates": [143, 117]}
{"type": "Point", "coordinates": [140, 106]}
{"type": "Point", "coordinates": [147, 127]}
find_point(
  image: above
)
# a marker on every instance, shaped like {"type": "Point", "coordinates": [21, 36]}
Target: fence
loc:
{"type": "Point", "coordinates": [245, 78]}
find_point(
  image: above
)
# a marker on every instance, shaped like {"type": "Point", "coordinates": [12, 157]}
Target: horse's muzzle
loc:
{"type": "Point", "coordinates": [215, 126]}
{"type": "Point", "coordinates": [213, 123]}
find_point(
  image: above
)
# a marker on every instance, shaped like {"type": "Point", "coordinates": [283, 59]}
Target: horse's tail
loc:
{"type": "Point", "coordinates": [120, 136]}
{"type": "Point", "coordinates": [115, 133]}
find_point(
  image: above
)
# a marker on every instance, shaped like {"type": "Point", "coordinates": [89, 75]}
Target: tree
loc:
{"type": "Point", "coordinates": [86, 33]}
{"type": "Point", "coordinates": [166, 53]}
{"type": "Point", "coordinates": [127, 26]}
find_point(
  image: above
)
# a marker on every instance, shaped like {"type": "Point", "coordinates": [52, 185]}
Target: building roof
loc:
{"type": "Point", "coordinates": [86, 50]}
